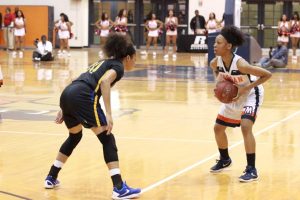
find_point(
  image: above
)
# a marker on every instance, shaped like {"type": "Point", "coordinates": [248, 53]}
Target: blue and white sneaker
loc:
{"type": "Point", "coordinates": [221, 164]}
{"type": "Point", "coordinates": [250, 174]}
{"type": "Point", "coordinates": [51, 183]}
{"type": "Point", "coordinates": [126, 192]}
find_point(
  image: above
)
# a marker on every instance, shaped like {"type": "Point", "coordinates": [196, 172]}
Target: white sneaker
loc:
{"type": "Point", "coordinates": [64, 52]}
{"type": "Point", "coordinates": [14, 54]}
{"type": "Point", "coordinates": [21, 54]}
{"type": "Point", "coordinates": [144, 52]}
{"type": "Point", "coordinates": [154, 54]}
{"type": "Point", "coordinates": [69, 54]}
{"type": "Point", "coordinates": [174, 56]}
{"type": "Point", "coordinates": [37, 59]}
{"type": "Point", "coordinates": [294, 57]}
{"type": "Point", "coordinates": [166, 56]}
{"type": "Point", "coordinates": [59, 52]}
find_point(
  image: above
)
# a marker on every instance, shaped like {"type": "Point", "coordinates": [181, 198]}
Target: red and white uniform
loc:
{"type": "Point", "coordinates": [283, 26]}
{"type": "Point", "coordinates": [152, 24]}
{"type": "Point", "coordinates": [104, 32]}
{"type": "Point", "coordinates": [295, 29]}
{"type": "Point", "coordinates": [63, 31]}
{"type": "Point", "coordinates": [212, 26]}
{"type": "Point", "coordinates": [19, 22]}
{"type": "Point", "coordinates": [247, 105]}
{"type": "Point", "coordinates": [170, 21]}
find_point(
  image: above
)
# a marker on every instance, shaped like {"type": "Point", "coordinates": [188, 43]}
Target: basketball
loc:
{"type": "Point", "coordinates": [225, 91]}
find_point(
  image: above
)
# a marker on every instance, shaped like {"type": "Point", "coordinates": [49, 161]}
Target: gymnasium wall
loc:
{"type": "Point", "coordinates": [205, 7]}
{"type": "Point", "coordinates": [77, 11]}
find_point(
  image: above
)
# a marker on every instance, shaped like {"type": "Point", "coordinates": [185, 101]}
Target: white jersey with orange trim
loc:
{"type": "Point", "coordinates": [247, 105]}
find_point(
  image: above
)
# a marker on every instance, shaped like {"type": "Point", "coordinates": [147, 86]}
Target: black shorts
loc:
{"type": "Point", "coordinates": [80, 105]}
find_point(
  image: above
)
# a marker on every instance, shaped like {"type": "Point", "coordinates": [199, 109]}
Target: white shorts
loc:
{"type": "Point", "coordinates": [172, 33]}
{"type": "Point", "coordinates": [296, 35]}
{"type": "Point", "coordinates": [20, 32]}
{"type": "Point", "coordinates": [104, 33]}
{"type": "Point", "coordinates": [63, 34]}
{"type": "Point", "coordinates": [283, 39]}
{"type": "Point", "coordinates": [153, 33]}
{"type": "Point", "coordinates": [247, 108]}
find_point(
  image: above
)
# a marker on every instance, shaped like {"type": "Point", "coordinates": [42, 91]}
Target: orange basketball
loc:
{"type": "Point", "coordinates": [225, 91]}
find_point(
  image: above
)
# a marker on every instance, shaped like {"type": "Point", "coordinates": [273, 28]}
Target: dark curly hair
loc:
{"type": "Point", "coordinates": [233, 35]}
{"type": "Point", "coordinates": [118, 46]}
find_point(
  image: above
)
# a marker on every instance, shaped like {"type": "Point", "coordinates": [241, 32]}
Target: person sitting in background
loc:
{"type": "Point", "coordinates": [278, 57]}
{"type": "Point", "coordinates": [198, 23]}
{"type": "Point", "coordinates": [43, 51]}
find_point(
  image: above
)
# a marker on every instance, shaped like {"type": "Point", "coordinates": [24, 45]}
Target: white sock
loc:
{"type": "Point", "coordinates": [115, 171]}
{"type": "Point", "coordinates": [58, 164]}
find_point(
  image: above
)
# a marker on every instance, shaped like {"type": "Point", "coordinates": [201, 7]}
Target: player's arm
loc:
{"type": "Point", "coordinates": [213, 66]}
{"type": "Point", "coordinates": [105, 86]}
{"type": "Point", "coordinates": [245, 68]}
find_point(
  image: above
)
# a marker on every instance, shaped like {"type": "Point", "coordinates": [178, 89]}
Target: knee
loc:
{"type": "Point", "coordinates": [218, 129]}
{"type": "Point", "coordinates": [246, 129]}
{"type": "Point", "coordinates": [109, 147]}
{"type": "Point", "coordinates": [70, 143]}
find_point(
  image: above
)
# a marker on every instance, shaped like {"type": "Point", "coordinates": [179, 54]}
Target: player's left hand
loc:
{"type": "Point", "coordinates": [241, 91]}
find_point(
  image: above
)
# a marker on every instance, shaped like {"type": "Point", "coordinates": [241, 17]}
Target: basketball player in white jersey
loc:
{"type": "Point", "coordinates": [243, 110]}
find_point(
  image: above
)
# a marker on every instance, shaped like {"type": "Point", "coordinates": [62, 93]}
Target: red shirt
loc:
{"type": "Point", "coordinates": [8, 18]}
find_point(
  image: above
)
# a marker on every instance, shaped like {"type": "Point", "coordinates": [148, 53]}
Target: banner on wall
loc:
{"type": "Point", "coordinates": [192, 43]}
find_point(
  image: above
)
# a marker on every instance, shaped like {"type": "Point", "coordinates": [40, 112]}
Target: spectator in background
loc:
{"type": "Point", "coordinates": [278, 57]}
{"type": "Point", "coordinates": [153, 26]}
{"type": "Point", "coordinates": [104, 25]}
{"type": "Point", "coordinates": [198, 23]}
{"type": "Point", "coordinates": [295, 33]}
{"type": "Point", "coordinates": [171, 23]}
{"type": "Point", "coordinates": [8, 32]}
{"type": "Point", "coordinates": [283, 30]}
{"type": "Point", "coordinates": [19, 32]}
{"type": "Point", "coordinates": [43, 51]}
{"type": "Point", "coordinates": [64, 33]}
{"type": "Point", "coordinates": [121, 22]}
{"type": "Point", "coordinates": [212, 23]}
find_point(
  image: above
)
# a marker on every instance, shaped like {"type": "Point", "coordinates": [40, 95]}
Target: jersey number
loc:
{"type": "Point", "coordinates": [94, 67]}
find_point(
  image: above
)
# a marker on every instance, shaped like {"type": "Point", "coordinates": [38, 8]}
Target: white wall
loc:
{"type": "Point", "coordinates": [205, 7]}
{"type": "Point", "coordinates": [77, 11]}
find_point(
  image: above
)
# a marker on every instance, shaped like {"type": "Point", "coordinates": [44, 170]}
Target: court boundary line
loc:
{"type": "Point", "coordinates": [200, 162]}
{"type": "Point", "coordinates": [15, 195]}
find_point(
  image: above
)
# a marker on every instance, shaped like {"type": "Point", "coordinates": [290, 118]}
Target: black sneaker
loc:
{"type": "Point", "coordinates": [221, 164]}
{"type": "Point", "coordinates": [250, 174]}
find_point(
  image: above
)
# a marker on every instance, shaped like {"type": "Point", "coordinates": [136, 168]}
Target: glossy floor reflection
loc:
{"type": "Point", "coordinates": [164, 112]}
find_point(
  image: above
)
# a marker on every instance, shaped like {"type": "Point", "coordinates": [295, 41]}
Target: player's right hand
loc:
{"type": "Point", "coordinates": [110, 123]}
{"type": "Point", "coordinates": [59, 117]}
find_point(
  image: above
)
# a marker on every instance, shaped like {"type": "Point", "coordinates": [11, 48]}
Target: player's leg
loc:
{"type": "Point", "coordinates": [251, 107]}
{"type": "Point", "coordinates": [227, 117]}
{"type": "Point", "coordinates": [16, 45]}
{"type": "Point", "coordinates": [61, 46]}
{"type": "Point", "coordinates": [110, 153]}
{"type": "Point", "coordinates": [66, 149]}
{"type": "Point", "coordinates": [21, 40]}
{"type": "Point", "coordinates": [250, 173]}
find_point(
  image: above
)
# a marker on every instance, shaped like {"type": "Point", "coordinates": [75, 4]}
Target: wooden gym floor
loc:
{"type": "Point", "coordinates": [164, 113]}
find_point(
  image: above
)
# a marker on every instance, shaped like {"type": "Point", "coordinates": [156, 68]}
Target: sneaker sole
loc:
{"type": "Point", "coordinates": [220, 170]}
{"type": "Point", "coordinates": [127, 197]}
{"type": "Point", "coordinates": [51, 186]}
{"type": "Point", "coordinates": [248, 181]}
